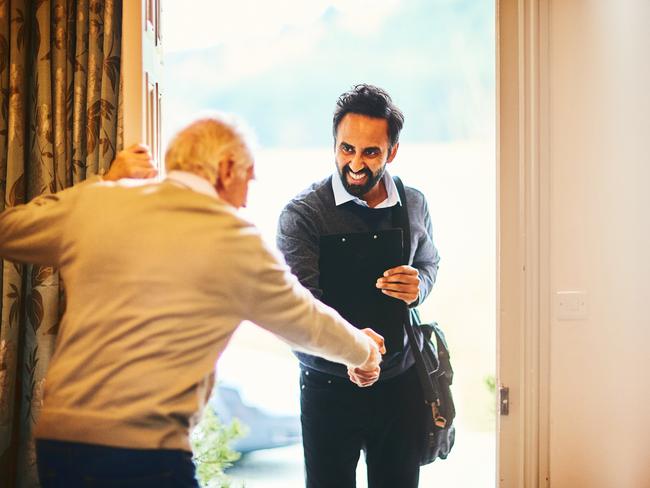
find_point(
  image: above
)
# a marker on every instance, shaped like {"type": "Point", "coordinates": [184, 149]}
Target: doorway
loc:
{"type": "Point", "coordinates": [280, 66]}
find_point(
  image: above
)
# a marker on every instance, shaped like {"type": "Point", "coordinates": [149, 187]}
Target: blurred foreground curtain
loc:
{"type": "Point", "coordinates": [59, 90]}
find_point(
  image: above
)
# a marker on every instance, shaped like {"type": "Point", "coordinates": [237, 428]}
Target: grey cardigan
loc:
{"type": "Point", "coordinates": [313, 213]}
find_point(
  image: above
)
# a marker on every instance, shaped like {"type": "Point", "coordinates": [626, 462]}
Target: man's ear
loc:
{"type": "Point", "coordinates": [393, 153]}
{"type": "Point", "coordinates": [226, 172]}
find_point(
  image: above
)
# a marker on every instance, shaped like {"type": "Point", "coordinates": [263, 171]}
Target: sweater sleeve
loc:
{"type": "Point", "coordinates": [426, 258]}
{"type": "Point", "coordinates": [32, 233]}
{"type": "Point", "coordinates": [298, 240]}
{"type": "Point", "coordinates": [284, 307]}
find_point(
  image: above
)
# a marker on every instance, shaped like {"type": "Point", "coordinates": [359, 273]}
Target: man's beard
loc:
{"type": "Point", "coordinates": [371, 180]}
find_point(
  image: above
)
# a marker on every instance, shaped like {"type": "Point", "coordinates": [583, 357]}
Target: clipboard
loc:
{"type": "Point", "coordinates": [350, 265]}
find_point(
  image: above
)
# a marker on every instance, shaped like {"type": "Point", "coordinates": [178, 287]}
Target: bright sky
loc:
{"type": "Point", "coordinates": [192, 24]}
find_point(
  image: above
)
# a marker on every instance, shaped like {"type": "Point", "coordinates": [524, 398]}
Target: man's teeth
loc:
{"type": "Point", "coordinates": [356, 176]}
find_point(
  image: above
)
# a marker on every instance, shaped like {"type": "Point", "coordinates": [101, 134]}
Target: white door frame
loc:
{"type": "Point", "coordinates": [523, 262]}
{"type": "Point", "coordinates": [523, 275]}
{"type": "Point", "coordinates": [141, 74]}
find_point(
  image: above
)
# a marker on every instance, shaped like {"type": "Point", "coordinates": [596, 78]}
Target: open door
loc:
{"type": "Point", "coordinates": [522, 248]}
{"type": "Point", "coordinates": [142, 88]}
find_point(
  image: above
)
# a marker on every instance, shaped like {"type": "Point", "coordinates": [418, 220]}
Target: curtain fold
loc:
{"type": "Point", "coordinates": [59, 98]}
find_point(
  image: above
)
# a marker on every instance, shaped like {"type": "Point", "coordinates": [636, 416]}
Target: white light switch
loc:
{"type": "Point", "coordinates": [571, 305]}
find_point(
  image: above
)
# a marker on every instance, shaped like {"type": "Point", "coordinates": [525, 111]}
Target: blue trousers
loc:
{"type": "Point", "coordinates": [72, 464]}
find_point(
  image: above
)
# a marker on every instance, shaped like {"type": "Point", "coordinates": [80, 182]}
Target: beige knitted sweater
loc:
{"type": "Point", "coordinates": [157, 279]}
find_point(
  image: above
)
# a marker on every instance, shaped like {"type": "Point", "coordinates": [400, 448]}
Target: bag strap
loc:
{"type": "Point", "coordinates": [401, 219]}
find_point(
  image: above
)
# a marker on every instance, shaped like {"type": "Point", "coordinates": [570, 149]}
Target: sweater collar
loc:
{"type": "Point", "coordinates": [193, 182]}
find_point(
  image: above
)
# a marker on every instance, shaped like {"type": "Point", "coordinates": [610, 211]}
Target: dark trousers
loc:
{"type": "Point", "coordinates": [339, 419]}
{"type": "Point", "coordinates": [72, 465]}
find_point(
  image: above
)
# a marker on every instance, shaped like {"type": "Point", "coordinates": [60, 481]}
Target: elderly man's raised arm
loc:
{"type": "Point", "coordinates": [32, 233]}
{"type": "Point", "coordinates": [280, 304]}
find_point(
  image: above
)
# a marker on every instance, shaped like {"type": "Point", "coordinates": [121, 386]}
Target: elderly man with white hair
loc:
{"type": "Point", "coordinates": [158, 277]}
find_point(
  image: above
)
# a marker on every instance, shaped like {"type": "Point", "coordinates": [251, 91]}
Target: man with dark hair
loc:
{"type": "Point", "coordinates": [384, 418]}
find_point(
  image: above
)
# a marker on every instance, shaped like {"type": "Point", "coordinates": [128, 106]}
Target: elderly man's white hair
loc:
{"type": "Point", "coordinates": [201, 146]}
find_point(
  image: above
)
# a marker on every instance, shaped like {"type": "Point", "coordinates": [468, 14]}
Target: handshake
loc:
{"type": "Point", "coordinates": [368, 373]}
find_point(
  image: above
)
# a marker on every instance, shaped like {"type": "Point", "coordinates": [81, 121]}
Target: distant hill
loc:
{"type": "Point", "coordinates": [435, 57]}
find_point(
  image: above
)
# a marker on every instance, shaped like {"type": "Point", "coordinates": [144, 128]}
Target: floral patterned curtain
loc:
{"type": "Point", "coordinates": [59, 94]}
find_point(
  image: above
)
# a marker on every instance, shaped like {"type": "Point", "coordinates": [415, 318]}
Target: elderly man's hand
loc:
{"type": "Point", "coordinates": [133, 162]}
{"type": "Point", "coordinates": [368, 373]}
{"type": "Point", "coordinates": [402, 282]}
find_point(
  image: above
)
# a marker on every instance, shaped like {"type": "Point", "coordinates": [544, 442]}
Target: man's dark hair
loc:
{"type": "Point", "coordinates": [371, 101]}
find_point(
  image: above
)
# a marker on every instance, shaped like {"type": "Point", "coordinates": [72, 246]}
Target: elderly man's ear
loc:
{"type": "Point", "coordinates": [232, 185]}
{"type": "Point", "coordinates": [226, 174]}
{"type": "Point", "coordinates": [227, 180]}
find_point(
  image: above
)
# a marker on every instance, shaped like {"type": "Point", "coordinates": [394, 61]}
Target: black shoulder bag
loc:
{"type": "Point", "coordinates": [432, 364]}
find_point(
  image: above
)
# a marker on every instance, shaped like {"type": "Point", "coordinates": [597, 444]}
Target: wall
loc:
{"type": "Point", "coordinates": [599, 134]}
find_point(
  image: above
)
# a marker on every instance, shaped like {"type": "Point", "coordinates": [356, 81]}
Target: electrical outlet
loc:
{"type": "Point", "coordinates": [571, 305]}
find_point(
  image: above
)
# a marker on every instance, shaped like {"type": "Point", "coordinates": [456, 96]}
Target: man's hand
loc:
{"type": "Point", "coordinates": [368, 373]}
{"type": "Point", "coordinates": [402, 282]}
{"type": "Point", "coordinates": [133, 162]}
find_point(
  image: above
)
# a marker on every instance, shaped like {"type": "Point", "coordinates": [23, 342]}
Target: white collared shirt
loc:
{"type": "Point", "coordinates": [193, 182]}
{"type": "Point", "coordinates": [342, 196]}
